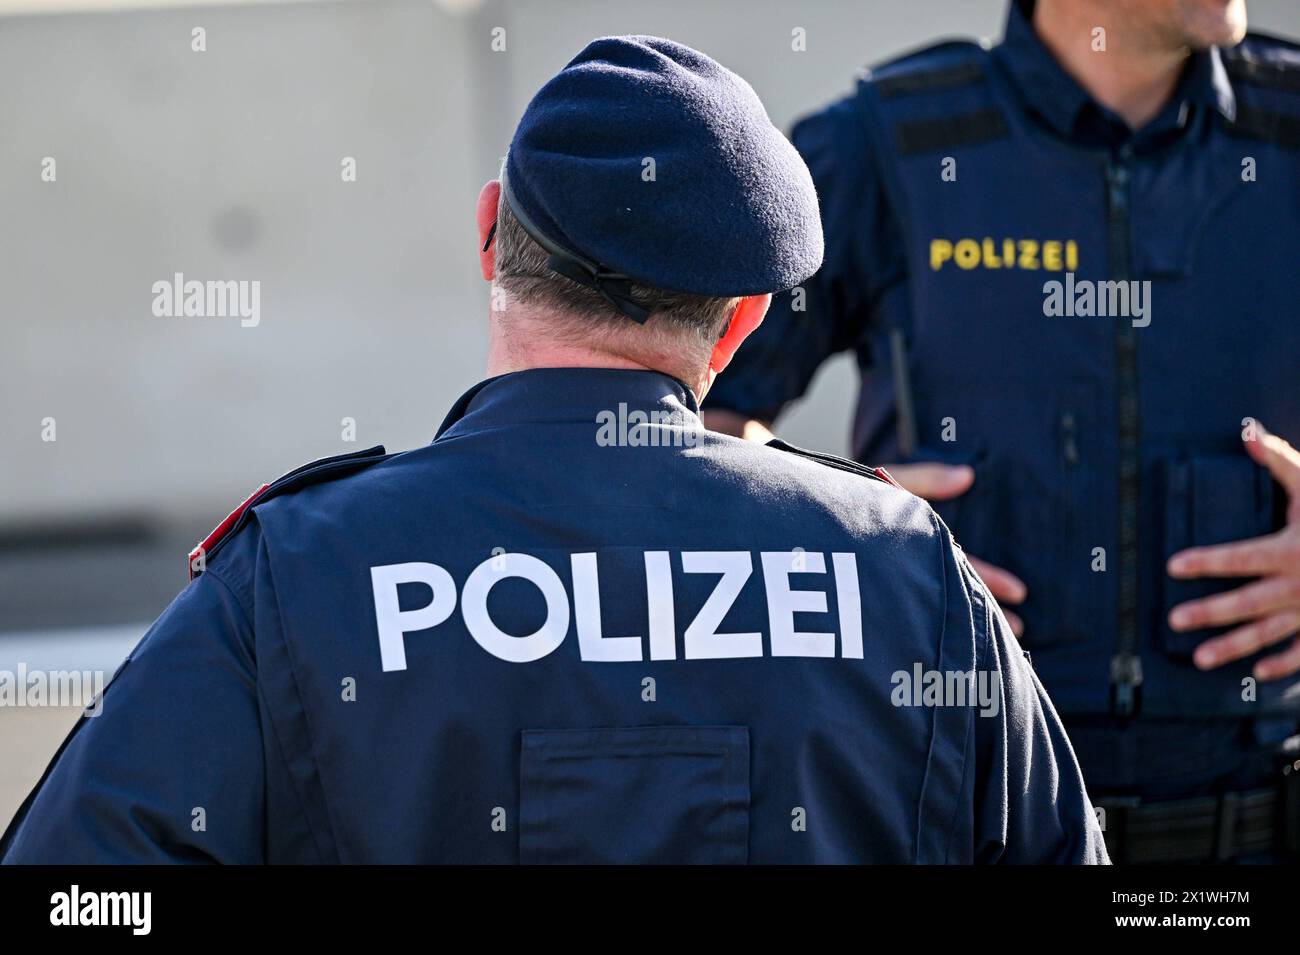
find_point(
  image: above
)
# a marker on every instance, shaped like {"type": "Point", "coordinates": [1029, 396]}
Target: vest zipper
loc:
{"type": "Point", "coordinates": [1126, 664]}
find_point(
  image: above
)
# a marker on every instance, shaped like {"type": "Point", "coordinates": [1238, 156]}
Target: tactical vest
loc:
{"type": "Point", "coordinates": [1104, 425]}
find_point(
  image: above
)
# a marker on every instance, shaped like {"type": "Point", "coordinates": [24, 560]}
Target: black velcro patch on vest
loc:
{"type": "Point", "coordinates": [927, 135]}
{"type": "Point", "coordinates": [930, 81]}
{"type": "Point", "coordinates": [1280, 128]}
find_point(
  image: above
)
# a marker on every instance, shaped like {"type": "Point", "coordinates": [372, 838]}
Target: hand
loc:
{"type": "Point", "coordinates": [1269, 608]}
{"type": "Point", "coordinates": [737, 425]}
{"type": "Point", "coordinates": [940, 482]}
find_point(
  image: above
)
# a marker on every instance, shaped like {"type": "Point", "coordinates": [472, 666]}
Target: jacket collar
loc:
{"type": "Point", "coordinates": [561, 395]}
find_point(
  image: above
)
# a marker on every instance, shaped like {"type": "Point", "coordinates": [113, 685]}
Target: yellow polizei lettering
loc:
{"type": "Point", "coordinates": [966, 254]}
{"type": "Point", "coordinates": [989, 252]}
{"type": "Point", "coordinates": [1028, 254]}
{"type": "Point", "coordinates": [940, 252]}
{"type": "Point", "coordinates": [1052, 256]}
{"type": "Point", "coordinates": [991, 260]}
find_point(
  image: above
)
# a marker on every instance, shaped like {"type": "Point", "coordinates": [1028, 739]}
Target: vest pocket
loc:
{"type": "Point", "coordinates": [1032, 509]}
{"type": "Point", "coordinates": [1209, 499]}
{"type": "Point", "coordinates": [635, 795]}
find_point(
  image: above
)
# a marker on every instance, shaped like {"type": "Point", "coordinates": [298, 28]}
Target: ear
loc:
{"type": "Point", "coordinates": [747, 317]}
{"type": "Point", "coordinates": [486, 215]}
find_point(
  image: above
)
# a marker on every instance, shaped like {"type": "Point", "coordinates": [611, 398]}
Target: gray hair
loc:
{"type": "Point", "coordinates": [522, 273]}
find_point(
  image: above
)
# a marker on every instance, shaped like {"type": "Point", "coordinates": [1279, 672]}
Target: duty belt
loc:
{"type": "Point", "coordinates": [1205, 829]}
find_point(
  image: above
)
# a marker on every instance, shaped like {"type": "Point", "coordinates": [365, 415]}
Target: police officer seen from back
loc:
{"type": "Point", "coordinates": [576, 627]}
{"type": "Point", "coordinates": [1066, 265]}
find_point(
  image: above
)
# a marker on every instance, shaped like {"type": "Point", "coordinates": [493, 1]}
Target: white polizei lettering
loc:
{"type": "Point", "coordinates": [783, 603]}
{"type": "Point", "coordinates": [593, 645]}
{"type": "Point", "coordinates": [659, 601]}
{"type": "Point", "coordinates": [473, 607]}
{"type": "Point", "coordinates": [393, 622]}
{"type": "Point", "coordinates": [849, 603]}
{"type": "Point", "coordinates": [702, 641]}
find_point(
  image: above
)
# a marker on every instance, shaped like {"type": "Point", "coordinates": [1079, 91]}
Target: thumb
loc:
{"type": "Point", "coordinates": [934, 481]}
{"type": "Point", "coordinates": [1281, 460]}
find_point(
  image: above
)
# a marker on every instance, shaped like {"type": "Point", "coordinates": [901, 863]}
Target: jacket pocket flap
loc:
{"type": "Point", "coordinates": [643, 794]}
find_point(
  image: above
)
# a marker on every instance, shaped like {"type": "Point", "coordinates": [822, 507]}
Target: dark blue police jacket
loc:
{"type": "Point", "coordinates": [974, 201]}
{"type": "Point", "coordinates": [574, 628]}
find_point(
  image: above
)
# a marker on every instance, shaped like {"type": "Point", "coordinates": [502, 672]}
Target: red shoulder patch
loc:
{"type": "Point", "coordinates": [199, 554]}
{"type": "Point", "coordinates": [888, 478]}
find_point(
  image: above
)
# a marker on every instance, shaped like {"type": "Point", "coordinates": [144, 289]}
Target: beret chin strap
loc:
{"type": "Point", "coordinates": [614, 287]}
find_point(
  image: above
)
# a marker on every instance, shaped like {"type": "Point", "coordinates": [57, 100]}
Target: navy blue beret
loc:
{"type": "Point", "coordinates": [731, 209]}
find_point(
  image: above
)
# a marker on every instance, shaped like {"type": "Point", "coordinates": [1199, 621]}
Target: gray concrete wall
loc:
{"type": "Point", "coordinates": [226, 165]}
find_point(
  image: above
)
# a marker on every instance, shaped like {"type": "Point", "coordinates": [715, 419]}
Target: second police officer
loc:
{"type": "Point", "coordinates": [1067, 267]}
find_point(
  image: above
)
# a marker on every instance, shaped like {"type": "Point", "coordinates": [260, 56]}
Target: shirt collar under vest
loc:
{"type": "Point", "coordinates": [1056, 98]}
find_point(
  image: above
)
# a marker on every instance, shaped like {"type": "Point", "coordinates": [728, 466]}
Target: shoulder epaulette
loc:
{"type": "Point", "coordinates": [326, 469]}
{"type": "Point", "coordinates": [1265, 61]}
{"type": "Point", "coordinates": [840, 464]}
{"type": "Point", "coordinates": [1268, 69]}
{"type": "Point", "coordinates": [953, 67]}
{"type": "Point", "coordinates": [936, 67]}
